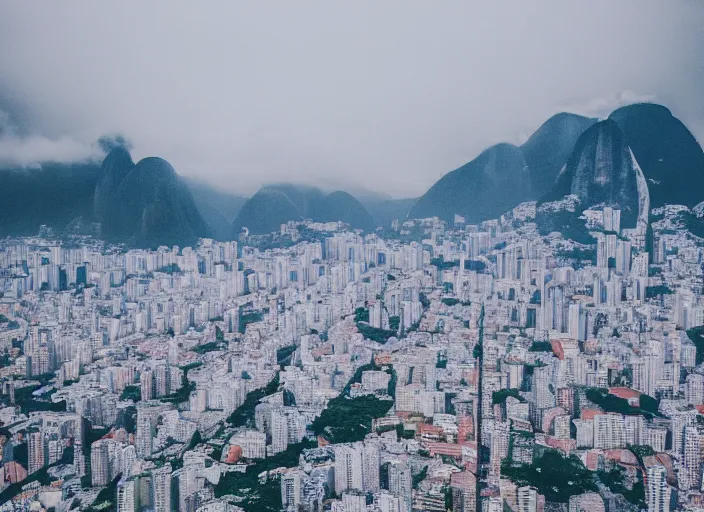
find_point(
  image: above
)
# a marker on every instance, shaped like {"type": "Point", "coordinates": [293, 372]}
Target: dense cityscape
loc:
{"type": "Point", "coordinates": [439, 366]}
{"type": "Point", "coordinates": [352, 256]}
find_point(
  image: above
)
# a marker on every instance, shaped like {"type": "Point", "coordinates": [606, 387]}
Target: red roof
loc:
{"type": "Point", "coordinates": [623, 392]}
{"type": "Point", "coordinates": [588, 414]}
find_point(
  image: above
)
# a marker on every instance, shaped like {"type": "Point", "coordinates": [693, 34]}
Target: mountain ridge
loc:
{"type": "Point", "coordinates": [668, 155]}
{"type": "Point", "coordinates": [273, 205]}
{"type": "Point", "coordinates": [530, 174]}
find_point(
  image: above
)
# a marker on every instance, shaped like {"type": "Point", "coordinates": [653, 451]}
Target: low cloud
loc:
{"type": "Point", "coordinates": [19, 149]}
{"type": "Point", "coordinates": [602, 107]}
{"type": "Point", "coordinates": [387, 96]}
{"type": "Point", "coordinates": [34, 150]}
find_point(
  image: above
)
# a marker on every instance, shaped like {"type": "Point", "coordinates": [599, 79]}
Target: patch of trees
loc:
{"type": "Point", "coordinates": [346, 420]}
{"type": "Point", "coordinates": [283, 355]}
{"type": "Point", "coordinates": [27, 402]}
{"type": "Point", "coordinates": [249, 318]}
{"type": "Point", "coordinates": [441, 264]}
{"type": "Point", "coordinates": [261, 497]}
{"type": "Point", "coordinates": [614, 480]}
{"type": "Point", "coordinates": [500, 396]}
{"type": "Point", "coordinates": [212, 346]}
{"type": "Point", "coordinates": [555, 476]}
{"type": "Point", "coordinates": [244, 414]}
{"type": "Point", "coordinates": [696, 334]}
{"type": "Point", "coordinates": [657, 290]}
{"type": "Point", "coordinates": [375, 334]}
{"type": "Point", "coordinates": [647, 406]}
{"type": "Point", "coordinates": [171, 268]}
{"type": "Point", "coordinates": [540, 346]}
{"type": "Point", "coordinates": [361, 315]}
{"type": "Point", "coordinates": [133, 393]}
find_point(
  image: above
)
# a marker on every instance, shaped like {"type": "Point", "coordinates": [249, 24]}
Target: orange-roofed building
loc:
{"type": "Point", "coordinates": [591, 345]}
{"type": "Point", "coordinates": [15, 472]}
{"type": "Point", "coordinates": [382, 359]}
{"type": "Point", "coordinates": [565, 398]}
{"type": "Point", "coordinates": [622, 456]}
{"type": "Point", "coordinates": [453, 450]}
{"type": "Point", "coordinates": [591, 459]}
{"type": "Point", "coordinates": [427, 432]}
{"type": "Point", "coordinates": [629, 394]}
{"type": "Point", "coordinates": [464, 480]}
{"type": "Point", "coordinates": [557, 349]}
{"type": "Point", "coordinates": [588, 414]}
{"type": "Point", "coordinates": [234, 453]}
{"type": "Point", "coordinates": [465, 429]}
{"type": "Point", "coordinates": [564, 445]}
{"type": "Point", "coordinates": [549, 417]}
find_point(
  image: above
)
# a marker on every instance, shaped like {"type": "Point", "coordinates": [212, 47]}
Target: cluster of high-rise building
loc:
{"type": "Point", "coordinates": [167, 376]}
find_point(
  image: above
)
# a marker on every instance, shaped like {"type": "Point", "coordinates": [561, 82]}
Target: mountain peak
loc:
{"type": "Point", "coordinates": [651, 109]}
{"type": "Point", "coordinates": [669, 155]}
{"type": "Point", "coordinates": [145, 204]}
{"type": "Point", "coordinates": [547, 150]}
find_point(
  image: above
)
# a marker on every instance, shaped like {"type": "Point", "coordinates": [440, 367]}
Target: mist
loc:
{"type": "Point", "coordinates": [366, 95]}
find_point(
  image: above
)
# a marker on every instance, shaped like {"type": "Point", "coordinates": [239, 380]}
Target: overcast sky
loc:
{"type": "Point", "coordinates": [387, 96]}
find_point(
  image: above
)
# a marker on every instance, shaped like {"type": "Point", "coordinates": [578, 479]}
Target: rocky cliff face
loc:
{"type": "Point", "coordinates": [548, 149]}
{"type": "Point", "coordinates": [601, 171]}
{"type": "Point", "coordinates": [116, 166]}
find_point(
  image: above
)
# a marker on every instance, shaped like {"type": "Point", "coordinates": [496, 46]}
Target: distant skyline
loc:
{"type": "Point", "coordinates": [386, 97]}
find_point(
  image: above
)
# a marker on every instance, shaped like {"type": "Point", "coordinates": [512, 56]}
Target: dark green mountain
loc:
{"type": "Point", "coordinates": [145, 205]}
{"type": "Point", "coordinates": [488, 186]}
{"type": "Point", "coordinates": [671, 158]}
{"type": "Point", "coordinates": [341, 206]}
{"type": "Point", "coordinates": [601, 171]}
{"type": "Point", "coordinates": [504, 176]}
{"type": "Point", "coordinates": [547, 150]}
{"type": "Point", "coordinates": [274, 205]}
{"type": "Point", "coordinates": [216, 207]}
{"type": "Point", "coordinates": [53, 195]}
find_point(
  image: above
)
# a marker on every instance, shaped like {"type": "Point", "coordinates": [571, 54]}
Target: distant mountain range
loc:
{"type": "Point", "coordinates": [576, 149]}
{"type": "Point", "coordinates": [144, 204]}
{"type": "Point", "coordinates": [218, 208]}
{"type": "Point", "coordinates": [504, 175]}
{"type": "Point", "coordinates": [147, 204]}
{"type": "Point", "coordinates": [274, 205]}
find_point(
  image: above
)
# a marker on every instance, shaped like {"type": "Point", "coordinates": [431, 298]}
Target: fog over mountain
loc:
{"type": "Point", "coordinates": [386, 97]}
